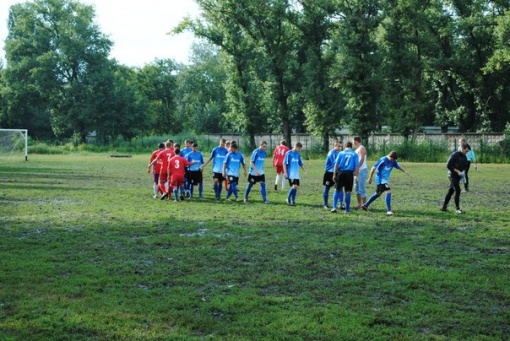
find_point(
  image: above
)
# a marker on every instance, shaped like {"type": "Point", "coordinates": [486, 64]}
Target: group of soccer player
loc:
{"type": "Point", "coordinates": [178, 171]}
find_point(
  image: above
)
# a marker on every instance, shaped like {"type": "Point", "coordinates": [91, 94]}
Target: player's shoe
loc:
{"type": "Point", "coordinates": [182, 197]}
{"type": "Point", "coordinates": [326, 207]}
{"type": "Point", "coordinates": [175, 200]}
{"type": "Point", "coordinates": [164, 196]}
{"type": "Point", "coordinates": [390, 213]}
{"type": "Point", "coordinates": [342, 207]}
{"type": "Point", "coordinates": [364, 208]}
{"type": "Point", "coordinates": [266, 202]}
{"type": "Point", "coordinates": [245, 200]}
{"type": "Point", "coordinates": [275, 187]}
{"type": "Point", "coordinates": [443, 209]}
{"type": "Point", "coordinates": [459, 211]}
{"type": "Point", "coordinates": [155, 196]}
{"type": "Point", "coordinates": [333, 210]}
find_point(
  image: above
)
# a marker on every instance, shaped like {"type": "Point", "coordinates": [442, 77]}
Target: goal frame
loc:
{"type": "Point", "coordinates": [23, 132]}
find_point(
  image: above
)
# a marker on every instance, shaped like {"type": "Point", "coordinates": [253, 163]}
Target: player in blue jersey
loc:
{"type": "Point", "coordinates": [291, 164]}
{"type": "Point", "coordinates": [382, 170]}
{"type": "Point", "coordinates": [329, 166]}
{"type": "Point", "coordinates": [231, 167]}
{"type": "Point", "coordinates": [346, 168]}
{"type": "Point", "coordinates": [256, 172]}
{"type": "Point", "coordinates": [184, 153]}
{"type": "Point", "coordinates": [218, 155]}
{"type": "Point", "coordinates": [195, 171]}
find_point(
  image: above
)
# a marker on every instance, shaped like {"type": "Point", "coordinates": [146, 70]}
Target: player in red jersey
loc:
{"type": "Point", "coordinates": [156, 169]}
{"type": "Point", "coordinates": [278, 156]}
{"type": "Point", "coordinates": [176, 173]}
{"type": "Point", "coordinates": [164, 156]}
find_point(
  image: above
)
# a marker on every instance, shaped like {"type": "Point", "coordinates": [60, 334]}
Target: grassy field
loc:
{"type": "Point", "coordinates": [87, 254]}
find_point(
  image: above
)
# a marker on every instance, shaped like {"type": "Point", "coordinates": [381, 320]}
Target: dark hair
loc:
{"type": "Point", "coordinates": [177, 151]}
{"type": "Point", "coordinates": [161, 145]}
{"type": "Point", "coordinates": [194, 144]}
{"type": "Point", "coordinates": [393, 154]}
{"type": "Point", "coordinates": [357, 139]}
{"type": "Point", "coordinates": [283, 142]}
{"type": "Point", "coordinates": [348, 144]}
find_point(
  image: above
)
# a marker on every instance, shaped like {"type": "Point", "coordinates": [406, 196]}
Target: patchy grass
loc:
{"type": "Point", "coordinates": [87, 254]}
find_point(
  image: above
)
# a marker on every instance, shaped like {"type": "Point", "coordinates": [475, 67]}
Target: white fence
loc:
{"type": "Point", "coordinates": [450, 140]}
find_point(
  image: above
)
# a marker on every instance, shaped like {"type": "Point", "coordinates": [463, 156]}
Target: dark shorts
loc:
{"type": "Point", "coordinates": [327, 180]}
{"type": "Point", "coordinates": [253, 179]}
{"type": "Point", "coordinates": [232, 179]}
{"type": "Point", "coordinates": [344, 180]}
{"type": "Point", "coordinates": [294, 182]}
{"type": "Point", "coordinates": [195, 177]}
{"type": "Point", "coordinates": [187, 174]}
{"type": "Point", "coordinates": [380, 189]}
{"type": "Point", "coordinates": [156, 178]}
{"type": "Point", "coordinates": [218, 176]}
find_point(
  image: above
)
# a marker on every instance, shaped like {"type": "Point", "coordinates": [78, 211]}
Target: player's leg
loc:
{"type": "Point", "coordinates": [466, 184]}
{"type": "Point", "coordinates": [448, 196]}
{"type": "Point", "coordinates": [388, 201]}
{"type": "Point", "coordinates": [263, 191]}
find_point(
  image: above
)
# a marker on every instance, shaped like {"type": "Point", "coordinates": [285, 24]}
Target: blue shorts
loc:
{"type": "Point", "coordinates": [361, 185]}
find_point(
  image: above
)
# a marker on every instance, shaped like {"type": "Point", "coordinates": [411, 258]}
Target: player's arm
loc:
{"type": "Point", "coordinates": [244, 168]}
{"type": "Point", "coordinates": [372, 171]}
{"type": "Point", "coordinates": [152, 162]}
{"type": "Point", "coordinates": [362, 154]}
{"type": "Point", "coordinates": [404, 170]}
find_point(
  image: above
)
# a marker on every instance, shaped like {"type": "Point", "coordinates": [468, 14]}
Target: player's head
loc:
{"type": "Point", "coordinates": [338, 145]}
{"type": "Point", "coordinates": [223, 142]}
{"type": "Point", "coordinates": [357, 140]}
{"type": "Point", "coordinates": [168, 144]}
{"type": "Point", "coordinates": [161, 146]}
{"type": "Point", "coordinates": [298, 146]}
{"type": "Point", "coordinates": [177, 146]}
{"type": "Point", "coordinates": [348, 144]}
{"type": "Point", "coordinates": [283, 142]}
{"type": "Point", "coordinates": [177, 151]}
{"type": "Point", "coordinates": [171, 141]}
{"type": "Point", "coordinates": [263, 145]}
{"type": "Point", "coordinates": [227, 144]}
{"type": "Point", "coordinates": [464, 149]}
{"type": "Point", "coordinates": [233, 146]}
{"type": "Point", "coordinates": [194, 146]}
{"type": "Point", "coordinates": [188, 143]}
{"type": "Point", "coordinates": [462, 142]}
{"type": "Point", "coordinates": [393, 155]}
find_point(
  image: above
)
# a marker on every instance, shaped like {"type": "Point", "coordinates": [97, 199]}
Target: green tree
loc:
{"type": "Point", "coordinates": [357, 68]}
{"type": "Point", "coordinates": [54, 52]}
{"type": "Point", "coordinates": [158, 83]}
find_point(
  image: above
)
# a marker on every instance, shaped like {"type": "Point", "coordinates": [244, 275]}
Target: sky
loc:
{"type": "Point", "coordinates": [138, 28]}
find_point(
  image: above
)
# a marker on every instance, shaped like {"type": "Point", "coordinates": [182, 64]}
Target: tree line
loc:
{"type": "Point", "coordinates": [271, 66]}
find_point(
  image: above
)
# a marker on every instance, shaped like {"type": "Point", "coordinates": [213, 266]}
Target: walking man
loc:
{"type": "Point", "coordinates": [457, 164]}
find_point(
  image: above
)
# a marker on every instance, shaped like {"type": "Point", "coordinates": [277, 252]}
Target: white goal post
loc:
{"type": "Point", "coordinates": [14, 141]}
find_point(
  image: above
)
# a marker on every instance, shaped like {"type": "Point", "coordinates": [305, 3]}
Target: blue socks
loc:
{"type": "Point", "coordinates": [388, 201]}
{"type": "Point", "coordinates": [347, 202]}
{"type": "Point", "coordinates": [325, 196]}
{"type": "Point", "coordinates": [263, 191]}
{"type": "Point", "coordinates": [248, 189]}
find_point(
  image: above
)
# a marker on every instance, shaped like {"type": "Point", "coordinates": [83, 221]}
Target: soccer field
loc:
{"type": "Point", "coordinates": [88, 254]}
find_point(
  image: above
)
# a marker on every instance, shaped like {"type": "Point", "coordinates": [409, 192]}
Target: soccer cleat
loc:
{"type": "Point", "coordinates": [364, 208]}
{"type": "Point", "coordinates": [175, 200]}
{"type": "Point", "coordinates": [342, 207]}
{"type": "Point", "coordinates": [182, 197]}
{"type": "Point", "coordinates": [245, 200]}
{"type": "Point", "coordinates": [275, 187]}
{"type": "Point", "coordinates": [390, 213]}
{"type": "Point", "coordinates": [326, 207]}
{"type": "Point", "coordinates": [458, 211]}
{"type": "Point", "coordinates": [443, 209]}
{"type": "Point", "coordinates": [333, 210]}
{"type": "Point", "coordinates": [266, 202]}
{"type": "Point", "coordinates": [164, 196]}
{"type": "Point", "coordinates": [155, 196]}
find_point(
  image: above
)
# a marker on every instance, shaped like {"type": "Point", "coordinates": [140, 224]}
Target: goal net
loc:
{"type": "Point", "coordinates": [14, 143]}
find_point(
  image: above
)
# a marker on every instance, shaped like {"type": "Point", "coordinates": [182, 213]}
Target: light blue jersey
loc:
{"type": "Point", "coordinates": [383, 169]}
{"type": "Point", "coordinates": [218, 155]}
{"type": "Point", "coordinates": [195, 157]}
{"type": "Point", "coordinates": [347, 160]}
{"type": "Point", "coordinates": [292, 162]}
{"type": "Point", "coordinates": [329, 165]}
{"type": "Point", "coordinates": [234, 162]}
{"type": "Point", "coordinates": [258, 157]}
{"type": "Point", "coordinates": [186, 151]}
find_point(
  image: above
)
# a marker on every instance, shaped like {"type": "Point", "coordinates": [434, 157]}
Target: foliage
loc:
{"type": "Point", "coordinates": [107, 262]}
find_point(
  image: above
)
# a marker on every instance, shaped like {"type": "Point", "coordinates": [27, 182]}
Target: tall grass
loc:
{"type": "Point", "coordinates": [429, 151]}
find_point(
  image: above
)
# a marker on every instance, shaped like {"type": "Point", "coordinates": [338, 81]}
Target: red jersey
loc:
{"type": "Point", "coordinates": [279, 155]}
{"type": "Point", "coordinates": [164, 156]}
{"type": "Point", "coordinates": [177, 166]}
{"type": "Point", "coordinates": [157, 165]}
